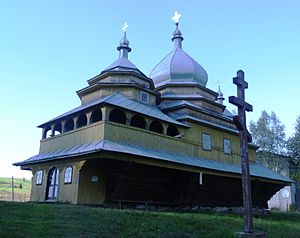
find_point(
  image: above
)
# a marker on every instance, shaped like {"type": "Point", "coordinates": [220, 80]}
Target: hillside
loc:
{"type": "Point", "coordinates": [59, 220]}
{"type": "Point", "coordinates": [21, 189]}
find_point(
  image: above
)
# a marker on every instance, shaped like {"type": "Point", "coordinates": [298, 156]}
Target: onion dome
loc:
{"type": "Point", "coordinates": [220, 97]}
{"type": "Point", "coordinates": [123, 63]}
{"type": "Point", "coordinates": [178, 66]}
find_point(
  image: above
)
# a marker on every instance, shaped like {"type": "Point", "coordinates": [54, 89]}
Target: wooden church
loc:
{"type": "Point", "coordinates": [165, 139]}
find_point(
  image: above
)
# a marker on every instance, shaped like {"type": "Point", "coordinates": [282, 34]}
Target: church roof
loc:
{"type": "Point", "coordinates": [183, 103]}
{"type": "Point", "coordinates": [122, 101]}
{"type": "Point", "coordinates": [185, 117]}
{"type": "Point", "coordinates": [256, 169]}
{"type": "Point", "coordinates": [178, 66]}
{"type": "Point", "coordinates": [123, 64]}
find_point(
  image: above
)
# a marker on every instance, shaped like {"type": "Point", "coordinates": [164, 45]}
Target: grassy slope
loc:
{"type": "Point", "coordinates": [5, 189]}
{"type": "Point", "coordinates": [58, 220]}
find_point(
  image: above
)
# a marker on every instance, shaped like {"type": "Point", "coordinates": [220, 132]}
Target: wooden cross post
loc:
{"type": "Point", "coordinates": [245, 138]}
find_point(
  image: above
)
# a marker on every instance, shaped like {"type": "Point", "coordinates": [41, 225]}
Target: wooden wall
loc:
{"type": "Point", "coordinates": [91, 191]}
{"type": "Point", "coordinates": [133, 182]}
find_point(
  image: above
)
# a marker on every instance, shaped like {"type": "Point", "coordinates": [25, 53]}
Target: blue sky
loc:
{"type": "Point", "coordinates": [49, 49]}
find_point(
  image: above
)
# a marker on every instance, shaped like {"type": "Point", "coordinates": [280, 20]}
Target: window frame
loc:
{"type": "Point", "coordinates": [39, 177]}
{"type": "Point", "coordinates": [70, 177]}
{"type": "Point", "coordinates": [226, 147]}
{"type": "Point", "coordinates": [144, 94]}
{"type": "Point", "coordinates": [209, 148]}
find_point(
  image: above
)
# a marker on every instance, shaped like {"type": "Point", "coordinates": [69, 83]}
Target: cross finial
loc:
{"type": "Point", "coordinates": [176, 17]}
{"type": "Point", "coordinates": [125, 26]}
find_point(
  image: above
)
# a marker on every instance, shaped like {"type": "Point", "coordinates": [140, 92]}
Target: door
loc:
{"type": "Point", "coordinates": [52, 184]}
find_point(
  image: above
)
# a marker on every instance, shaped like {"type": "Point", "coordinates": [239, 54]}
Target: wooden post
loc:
{"type": "Point", "coordinates": [245, 137]}
{"type": "Point", "coordinates": [12, 188]}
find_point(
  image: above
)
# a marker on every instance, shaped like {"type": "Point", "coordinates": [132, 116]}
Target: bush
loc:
{"type": "Point", "coordinates": [293, 207]}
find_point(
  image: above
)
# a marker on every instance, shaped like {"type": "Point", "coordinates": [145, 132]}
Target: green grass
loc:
{"type": "Point", "coordinates": [59, 220]}
{"type": "Point", "coordinates": [21, 189]}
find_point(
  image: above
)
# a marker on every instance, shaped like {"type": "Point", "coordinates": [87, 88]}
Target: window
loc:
{"type": "Point", "coordinates": [68, 175]}
{"type": "Point", "coordinates": [39, 177]}
{"type": "Point", "coordinates": [227, 146]}
{"type": "Point", "coordinates": [206, 141]}
{"type": "Point", "coordinates": [144, 97]}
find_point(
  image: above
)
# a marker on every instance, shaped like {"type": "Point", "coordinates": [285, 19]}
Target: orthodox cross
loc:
{"type": "Point", "coordinates": [176, 17]}
{"type": "Point", "coordinates": [245, 138]}
{"type": "Point", "coordinates": [124, 28]}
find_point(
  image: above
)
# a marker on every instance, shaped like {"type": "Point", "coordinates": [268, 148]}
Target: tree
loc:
{"type": "Point", "coordinates": [293, 149]}
{"type": "Point", "coordinates": [293, 143]}
{"type": "Point", "coordinates": [268, 133]}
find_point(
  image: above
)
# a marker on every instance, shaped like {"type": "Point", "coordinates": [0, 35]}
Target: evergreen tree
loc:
{"type": "Point", "coordinates": [293, 143]}
{"type": "Point", "coordinates": [293, 149]}
{"type": "Point", "coordinates": [268, 133]}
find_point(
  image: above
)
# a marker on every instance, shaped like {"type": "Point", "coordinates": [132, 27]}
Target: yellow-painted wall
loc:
{"type": "Point", "coordinates": [78, 136]}
{"type": "Point", "coordinates": [38, 191]}
{"type": "Point", "coordinates": [190, 143]}
{"type": "Point", "coordinates": [91, 192]}
{"type": "Point", "coordinates": [66, 192]}
{"type": "Point", "coordinates": [130, 92]}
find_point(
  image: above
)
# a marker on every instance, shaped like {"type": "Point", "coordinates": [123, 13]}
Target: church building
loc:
{"type": "Point", "coordinates": [162, 139]}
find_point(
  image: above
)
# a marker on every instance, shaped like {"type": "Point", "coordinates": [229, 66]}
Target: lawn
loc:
{"type": "Point", "coordinates": [21, 189]}
{"type": "Point", "coordinates": [60, 220]}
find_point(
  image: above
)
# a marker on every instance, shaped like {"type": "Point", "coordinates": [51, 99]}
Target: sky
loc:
{"type": "Point", "coordinates": [49, 49]}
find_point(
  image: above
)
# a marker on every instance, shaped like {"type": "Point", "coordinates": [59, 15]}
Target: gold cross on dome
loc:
{"type": "Point", "coordinates": [176, 17]}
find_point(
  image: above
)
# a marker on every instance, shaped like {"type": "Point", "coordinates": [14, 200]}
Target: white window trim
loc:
{"type": "Point", "coordinates": [204, 147]}
{"type": "Point", "coordinates": [227, 150]}
{"type": "Point", "coordinates": [39, 177]}
{"type": "Point", "coordinates": [68, 179]}
{"type": "Point", "coordinates": [141, 97]}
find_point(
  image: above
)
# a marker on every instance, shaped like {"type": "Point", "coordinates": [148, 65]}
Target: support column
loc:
{"type": "Point", "coordinates": [165, 127]}
{"type": "Point", "coordinates": [43, 133]}
{"type": "Point", "coordinates": [63, 126]}
{"type": "Point", "coordinates": [105, 113]}
{"type": "Point", "coordinates": [88, 117]}
{"type": "Point", "coordinates": [128, 118]}
{"type": "Point", "coordinates": [52, 130]}
{"type": "Point", "coordinates": [76, 176]}
{"type": "Point", "coordinates": [147, 124]}
{"type": "Point", "coordinates": [75, 119]}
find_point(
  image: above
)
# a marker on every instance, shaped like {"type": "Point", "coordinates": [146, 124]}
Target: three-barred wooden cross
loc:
{"type": "Point", "coordinates": [245, 138]}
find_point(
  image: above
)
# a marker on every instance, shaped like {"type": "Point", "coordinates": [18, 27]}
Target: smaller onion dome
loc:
{"type": "Point", "coordinates": [123, 63]}
{"type": "Point", "coordinates": [124, 47]}
{"type": "Point", "coordinates": [220, 97]}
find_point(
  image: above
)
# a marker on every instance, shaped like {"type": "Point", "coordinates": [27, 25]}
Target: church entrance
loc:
{"type": "Point", "coordinates": [52, 184]}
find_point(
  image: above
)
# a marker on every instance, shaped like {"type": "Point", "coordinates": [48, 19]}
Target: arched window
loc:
{"type": "Point", "coordinates": [172, 131]}
{"type": "Point", "coordinates": [138, 121]}
{"type": "Point", "coordinates": [156, 126]}
{"type": "Point", "coordinates": [96, 116]}
{"type": "Point", "coordinates": [57, 129]}
{"type": "Point", "coordinates": [68, 175]}
{"type": "Point", "coordinates": [52, 184]}
{"type": "Point", "coordinates": [117, 115]}
{"type": "Point", "coordinates": [82, 121]}
{"type": "Point", "coordinates": [69, 125]}
{"type": "Point", "coordinates": [39, 177]}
